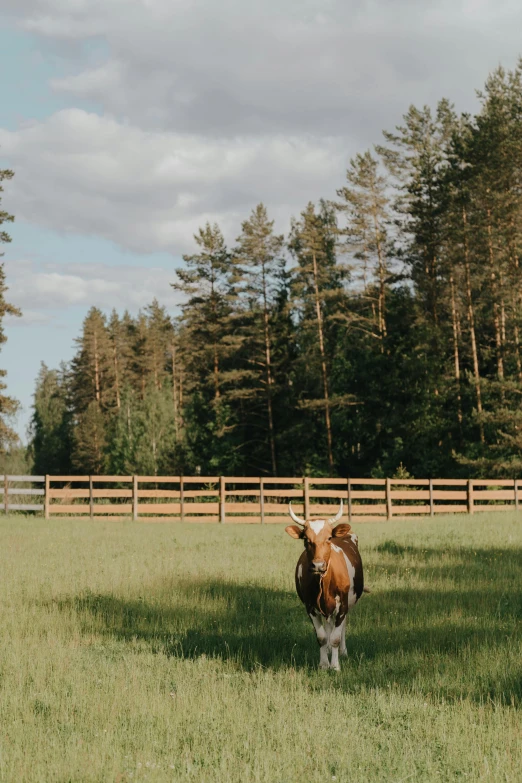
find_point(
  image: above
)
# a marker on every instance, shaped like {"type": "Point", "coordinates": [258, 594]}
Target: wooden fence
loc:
{"type": "Point", "coordinates": [14, 495]}
{"type": "Point", "coordinates": [253, 500]}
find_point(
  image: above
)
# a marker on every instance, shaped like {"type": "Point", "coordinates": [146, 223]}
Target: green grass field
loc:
{"type": "Point", "coordinates": [136, 652]}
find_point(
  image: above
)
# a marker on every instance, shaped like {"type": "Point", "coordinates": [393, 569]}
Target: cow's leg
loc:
{"type": "Point", "coordinates": [335, 642]}
{"type": "Point", "coordinates": [342, 649]}
{"type": "Point", "coordinates": [322, 638]}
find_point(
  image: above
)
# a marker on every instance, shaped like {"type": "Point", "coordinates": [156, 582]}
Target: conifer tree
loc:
{"type": "Point", "coordinates": [155, 440]}
{"type": "Point", "coordinates": [93, 363]}
{"type": "Point", "coordinates": [123, 434]}
{"type": "Point", "coordinates": [158, 343]}
{"type": "Point", "coordinates": [461, 257]}
{"type": "Point", "coordinates": [212, 344]}
{"type": "Point", "coordinates": [317, 281]}
{"type": "Point", "coordinates": [90, 442]}
{"type": "Point", "coordinates": [51, 422]}
{"type": "Point", "coordinates": [259, 253]}
{"type": "Point", "coordinates": [415, 156]}
{"type": "Point", "coordinates": [364, 202]}
{"type": "Point", "coordinates": [205, 282]}
{"type": "Point", "coordinates": [140, 362]}
{"type": "Point", "coordinates": [119, 372]}
{"type": "Point", "coordinates": [8, 405]}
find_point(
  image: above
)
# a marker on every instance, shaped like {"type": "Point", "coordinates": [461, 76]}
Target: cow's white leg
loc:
{"type": "Point", "coordinates": [322, 638]}
{"type": "Point", "coordinates": [335, 641]}
{"type": "Point", "coordinates": [342, 649]}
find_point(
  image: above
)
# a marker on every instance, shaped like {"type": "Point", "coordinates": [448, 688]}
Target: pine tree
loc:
{"type": "Point", "coordinates": [123, 435]}
{"type": "Point", "coordinates": [154, 434]}
{"type": "Point", "coordinates": [90, 440]}
{"type": "Point", "coordinates": [317, 283]}
{"type": "Point", "coordinates": [490, 156]}
{"type": "Point", "coordinates": [8, 405]}
{"type": "Point", "coordinates": [120, 359]}
{"type": "Point", "coordinates": [212, 343]}
{"type": "Point", "coordinates": [92, 367]}
{"type": "Point", "coordinates": [51, 436]}
{"type": "Point", "coordinates": [461, 258]}
{"type": "Point", "coordinates": [364, 202]}
{"type": "Point", "coordinates": [259, 253]}
{"type": "Point", "coordinates": [206, 285]}
{"type": "Point", "coordinates": [415, 156]}
{"type": "Point", "coordinates": [158, 345]}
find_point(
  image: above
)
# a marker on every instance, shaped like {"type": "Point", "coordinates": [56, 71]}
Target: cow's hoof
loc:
{"type": "Point", "coordinates": [324, 665]}
{"type": "Point", "coordinates": [336, 668]}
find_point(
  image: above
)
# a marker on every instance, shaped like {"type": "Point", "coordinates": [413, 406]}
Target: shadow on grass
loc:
{"type": "Point", "coordinates": [437, 640]}
{"type": "Point", "coordinates": [219, 619]}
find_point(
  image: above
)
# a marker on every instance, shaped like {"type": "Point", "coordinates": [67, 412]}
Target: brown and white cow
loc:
{"type": "Point", "coordinates": [329, 580]}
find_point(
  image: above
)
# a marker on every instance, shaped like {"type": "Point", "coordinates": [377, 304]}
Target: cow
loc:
{"type": "Point", "coordinates": [329, 580]}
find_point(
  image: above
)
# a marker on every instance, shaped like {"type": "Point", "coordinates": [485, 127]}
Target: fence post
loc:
{"type": "Point", "coordinates": [47, 499]}
{"type": "Point", "coordinates": [6, 494]}
{"type": "Point", "coordinates": [135, 498]}
{"type": "Point", "coordinates": [181, 499]}
{"type": "Point", "coordinates": [262, 500]}
{"type": "Point", "coordinates": [389, 509]}
{"type": "Point", "coordinates": [349, 482]}
{"type": "Point", "coordinates": [470, 496]}
{"type": "Point", "coordinates": [516, 494]}
{"type": "Point", "coordinates": [431, 498]}
{"type": "Point", "coordinates": [306, 496]}
{"type": "Point", "coordinates": [91, 499]}
{"type": "Point", "coordinates": [222, 499]}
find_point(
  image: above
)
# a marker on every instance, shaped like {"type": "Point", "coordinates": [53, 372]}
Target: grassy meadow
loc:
{"type": "Point", "coordinates": [133, 652]}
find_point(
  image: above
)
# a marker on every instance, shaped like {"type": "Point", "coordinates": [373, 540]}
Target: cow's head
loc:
{"type": "Point", "coordinates": [317, 535]}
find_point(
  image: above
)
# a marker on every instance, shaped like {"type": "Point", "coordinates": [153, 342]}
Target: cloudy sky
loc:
{"type": "Point", "coordinates": [129, 123]}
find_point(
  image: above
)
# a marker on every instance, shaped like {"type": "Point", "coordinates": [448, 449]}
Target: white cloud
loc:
{"type": "Point", "coordinates": [41, 290]}
{"type": "Point", "coordinates": [321, 66]}
{"type": "Point", "coordinates": [78, 172]}
{"type": "Point", "coordinates": [208, 108]}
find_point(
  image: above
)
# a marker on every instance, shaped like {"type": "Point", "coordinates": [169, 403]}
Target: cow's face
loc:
{"type": "Point", "coordinates": [318, 536]}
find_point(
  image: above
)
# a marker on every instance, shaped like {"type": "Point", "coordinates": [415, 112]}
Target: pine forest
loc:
{"type": "Point", "coordinates": [381, 336]}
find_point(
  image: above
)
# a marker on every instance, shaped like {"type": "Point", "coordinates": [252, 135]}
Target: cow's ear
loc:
{"type": "Point", "coordinates": [341, 531]}
{"type": "Point", "coordinates": [295, 531]}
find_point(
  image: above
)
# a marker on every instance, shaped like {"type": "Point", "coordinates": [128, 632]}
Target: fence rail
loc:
{"type": "Point", "coordinates": [252, 500]}
{"type": "Point", "coordinates": [12, 493]}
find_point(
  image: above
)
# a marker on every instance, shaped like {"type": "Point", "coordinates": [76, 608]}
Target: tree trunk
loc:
{"type": "Point", "coordinates": [116, 376]}
{"type": "Point", "coordinates": [497, 316]}
{"type": "Point", "coordinates": [155, 365]}
{"type": "Point", "coordinates": [323, 365]}
{"type": "Point", "coordinates": [471, 320]}
{"type": "Point", "coordinates": [454, 321]}
{"type": "Point", "coordinates": [96, 370]}
{"type": "Point", "coordinates": [382, 288]}
{"type": "Point", "coordinates": [516, 302]}
{"type": "Point", "coordinates": [217, 393]}
{"type": "Point", "coordinates": [174, 392]}
{"type": "Point", "coordinates": [269, 380]}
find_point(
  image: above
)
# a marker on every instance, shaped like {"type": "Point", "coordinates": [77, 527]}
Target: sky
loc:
{"type": "Point", "coordinates": [131, 123]}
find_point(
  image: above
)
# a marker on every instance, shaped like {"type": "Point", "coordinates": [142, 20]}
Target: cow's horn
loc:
{"type": "Point", "coordinates": [339, 514]}
{"type": "Point", "coordinates": [294, 517]}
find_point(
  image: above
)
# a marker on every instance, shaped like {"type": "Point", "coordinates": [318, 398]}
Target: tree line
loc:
{"type": "Point", "coordinates": [382, 333]}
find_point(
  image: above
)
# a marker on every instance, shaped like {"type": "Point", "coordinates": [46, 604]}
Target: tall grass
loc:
{"type": "Point", "coordinates": [176, 652]}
